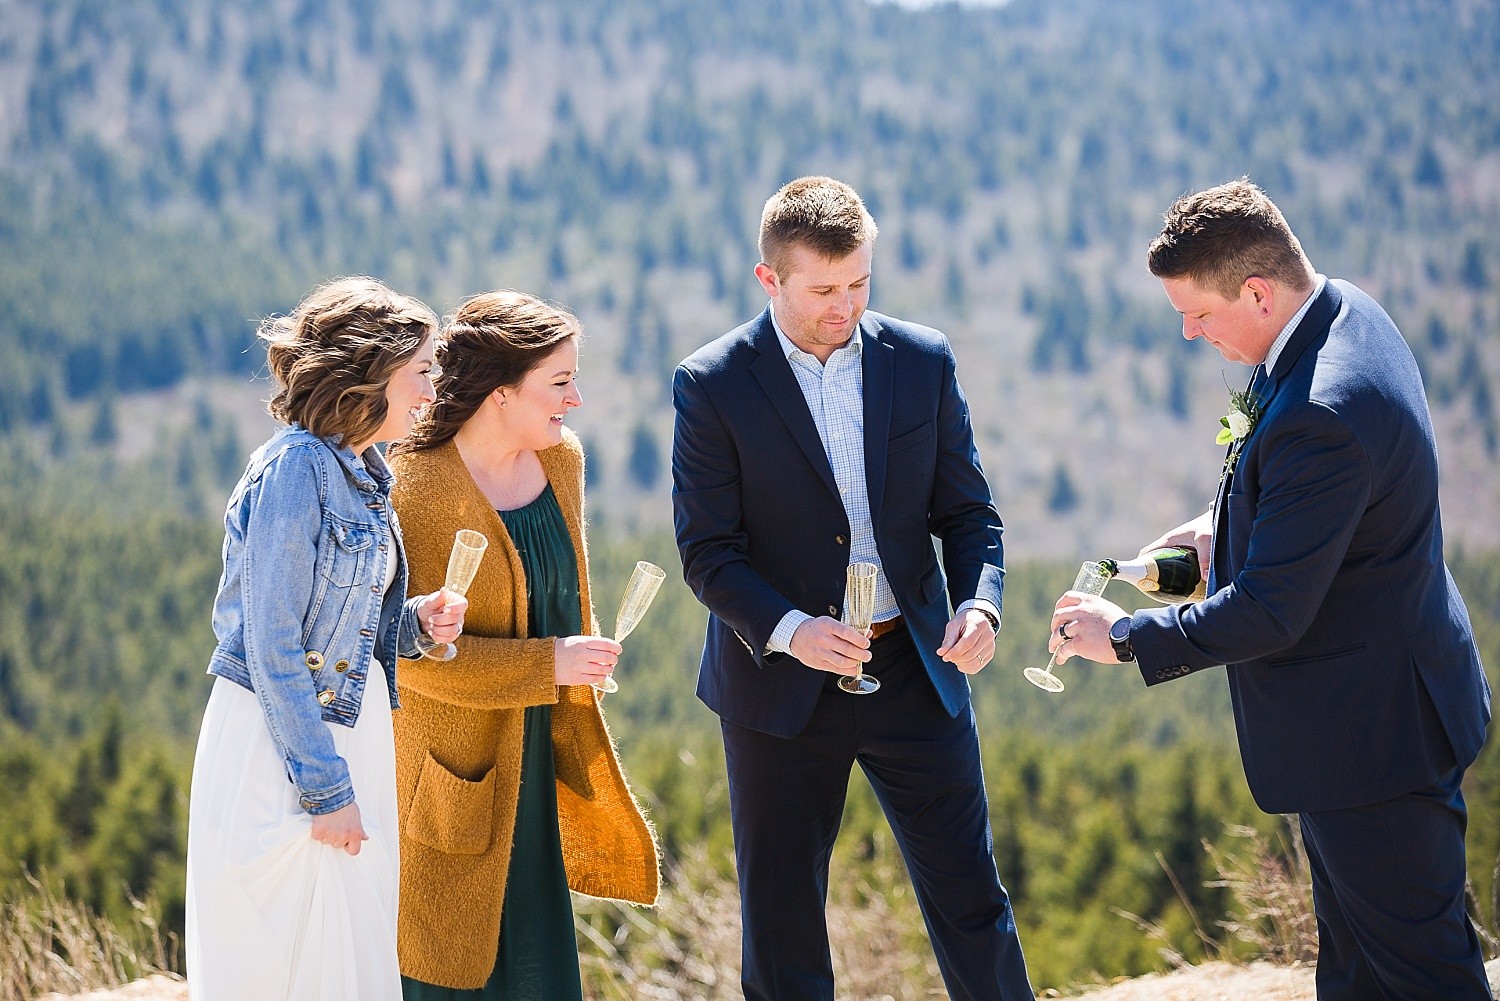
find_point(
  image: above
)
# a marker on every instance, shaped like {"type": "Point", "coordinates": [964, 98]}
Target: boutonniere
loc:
{"type": "Point", "coordinates": [1238, 423]}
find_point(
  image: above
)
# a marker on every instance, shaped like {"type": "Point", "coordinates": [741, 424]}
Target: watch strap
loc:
{"type": "Point", "coordinates": [1124, 652]}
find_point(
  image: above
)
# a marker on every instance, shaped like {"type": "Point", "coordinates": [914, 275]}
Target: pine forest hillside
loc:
{"type": "Point", "coordinates": [172, 171]}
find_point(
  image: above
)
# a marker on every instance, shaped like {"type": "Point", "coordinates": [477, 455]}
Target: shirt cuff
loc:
{"type": "Point", "coordinates": [984, 605]}
{"type": "Point", "coordinates": [781, 637]}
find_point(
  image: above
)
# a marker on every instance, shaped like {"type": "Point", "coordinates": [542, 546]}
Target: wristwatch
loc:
{"type": "Point", "coordinates": [1119, 638]}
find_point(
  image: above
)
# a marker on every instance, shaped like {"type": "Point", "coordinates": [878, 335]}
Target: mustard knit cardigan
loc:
{"type": "Point", "coordinates": [459, 735]}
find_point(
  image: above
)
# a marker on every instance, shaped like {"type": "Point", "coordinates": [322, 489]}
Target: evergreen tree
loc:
{"type": "Point", "coordinates": [645, 457]}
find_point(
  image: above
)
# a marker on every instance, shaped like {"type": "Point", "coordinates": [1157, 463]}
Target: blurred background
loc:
{"type": "Point", "coordinates": [173, 170]}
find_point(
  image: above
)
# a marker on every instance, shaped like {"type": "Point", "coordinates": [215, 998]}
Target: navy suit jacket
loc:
{"type": "Point", "coordinates": [761, 529]}
{"type": "Point", "coordinates": [1352, 665]}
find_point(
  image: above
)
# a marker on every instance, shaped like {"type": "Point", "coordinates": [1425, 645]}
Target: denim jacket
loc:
{"type": "Point", "coordinates": [302, 607]}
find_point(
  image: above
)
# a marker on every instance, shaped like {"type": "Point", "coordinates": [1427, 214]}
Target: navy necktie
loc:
{"type": "Point", "coordinates": [1258, 380]}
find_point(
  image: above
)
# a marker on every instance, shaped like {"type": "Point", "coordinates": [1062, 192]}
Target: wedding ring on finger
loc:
{"type": "Point", "coordinates": [1062, 632]}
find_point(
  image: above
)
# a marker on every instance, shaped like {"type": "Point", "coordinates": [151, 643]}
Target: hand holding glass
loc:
{"type": "Point", "coordinates": [859, 609]}
{"type": "Point", "coordinates": [645, 581]}
{"type": "Point", "coordinates": [1091, 580]}
{"type": "Point", "coordinates": [463, 564]}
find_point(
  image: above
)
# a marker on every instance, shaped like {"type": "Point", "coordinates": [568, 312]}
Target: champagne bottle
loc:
{"type": "Point", "coordinates": [1169, 575]}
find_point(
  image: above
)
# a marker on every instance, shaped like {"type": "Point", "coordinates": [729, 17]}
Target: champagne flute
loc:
{"type": "Point", "coordinates": [859, 608]}
{"type": "Point", "coordinates": [463, 563]}
{"type": "Point", "coordinates": [1090, 580]}
{"type": "Point", "coordinates": [645, 581]}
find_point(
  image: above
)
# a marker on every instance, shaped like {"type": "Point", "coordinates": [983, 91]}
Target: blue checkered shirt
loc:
{"type": "Point", "coordinates": [835, 394]}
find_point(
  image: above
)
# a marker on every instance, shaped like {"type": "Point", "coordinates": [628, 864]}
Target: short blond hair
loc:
{"type": "Point", "coordinates": [819, 213]}
{"type": "Point", "coordinates": [333, 355]}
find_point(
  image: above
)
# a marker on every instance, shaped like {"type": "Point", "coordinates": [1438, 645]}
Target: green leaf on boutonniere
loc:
{"type": "Point", "coordinates": [1235, 426]}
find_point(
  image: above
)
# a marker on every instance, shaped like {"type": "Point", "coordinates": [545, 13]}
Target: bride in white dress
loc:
{"type": "Point", "coordinates": [293, 864]}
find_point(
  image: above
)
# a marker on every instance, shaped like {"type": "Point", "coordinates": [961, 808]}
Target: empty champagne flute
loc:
{"type": "Point", "coordinates": [859, 609]}
{"type": "Point", "coordinates": [1090, 580]}
{"type": "Point", "coordinates": [645, 581]}
{"type": "Point", "coordinates": [463, 563]}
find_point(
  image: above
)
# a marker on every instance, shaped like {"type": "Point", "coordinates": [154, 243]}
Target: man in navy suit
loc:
{"type": "Point", "coordinates": [1358, 694]}
{"type": "Point", "coordinates": [817, 435]}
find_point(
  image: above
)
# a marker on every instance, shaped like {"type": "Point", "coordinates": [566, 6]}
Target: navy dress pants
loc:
{"type": "Point", "coordinates": [787, 796]}
{"type": "Point", "coordinates": [1388, 888]}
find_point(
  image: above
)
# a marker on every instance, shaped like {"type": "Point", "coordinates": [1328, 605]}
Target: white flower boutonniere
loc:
{"type": "Point", "coordinates": [1236, 425]}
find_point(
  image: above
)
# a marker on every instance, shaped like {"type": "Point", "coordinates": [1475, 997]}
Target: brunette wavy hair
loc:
{"type": "Point", "coordinates": [492, 340]}
{"type": "Point", "coordinates": [333, 355]}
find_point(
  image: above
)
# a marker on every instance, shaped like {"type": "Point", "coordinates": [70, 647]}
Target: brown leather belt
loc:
{"type": "Point", "coordinates": [879, 629]}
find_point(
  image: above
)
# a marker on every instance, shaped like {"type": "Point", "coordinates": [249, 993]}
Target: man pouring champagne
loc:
{"type": "Point", "coordinates": [1358, 693]}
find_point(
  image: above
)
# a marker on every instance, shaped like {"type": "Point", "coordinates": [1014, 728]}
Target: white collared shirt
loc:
{"type": "Point", "coordinates": [1291, 325]}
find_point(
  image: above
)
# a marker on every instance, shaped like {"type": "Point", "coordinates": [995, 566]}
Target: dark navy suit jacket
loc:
{"type": "Point", "coordinates": [761, 529]}
{"type": "Point", "coordinates": [1352, 665]}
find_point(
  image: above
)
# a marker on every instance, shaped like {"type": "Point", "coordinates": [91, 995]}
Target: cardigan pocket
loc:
{"type": "Point", "coordinates": [452, 814]}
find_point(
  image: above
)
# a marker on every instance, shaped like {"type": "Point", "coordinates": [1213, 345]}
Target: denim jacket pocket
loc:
{"type": "Point", "coordinates": [347, 561]}
{"type": "Point", "coordinates": [452, 814]}
{"type": "Point", "coordinates": [346, 596]}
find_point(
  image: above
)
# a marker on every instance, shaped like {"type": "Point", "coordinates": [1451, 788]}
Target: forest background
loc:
{"type": "Point", "coordinates": [171, 171]}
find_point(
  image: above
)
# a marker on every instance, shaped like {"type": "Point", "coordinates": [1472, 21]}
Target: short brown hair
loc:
{"type": "Point", "coordinates": [334, 354]}
{"type": "Point", "coordinates": [492, 340]}
{"type": "Point", "coordinates": [820, 213]}
{"type": "Point", "coordinates": [1224, 235]}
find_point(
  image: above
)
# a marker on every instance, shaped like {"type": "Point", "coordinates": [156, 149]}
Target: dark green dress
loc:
{"type": "Point", "coordinates": [537, 959]}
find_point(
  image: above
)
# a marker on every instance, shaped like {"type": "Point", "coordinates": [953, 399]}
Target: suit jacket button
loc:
{"type": "Point", "coordinates": [1161, 674]}
{"type": "Point", "coordinates": [839, 539]}
{"type": "Point", "coordinates": [833, 610]}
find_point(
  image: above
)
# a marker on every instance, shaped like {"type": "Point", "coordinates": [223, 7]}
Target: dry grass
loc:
{"type": "Point", "coordinates": [1272, 890]}
{"type": "Point", "coordinates": [50, 944]}
{"type": "Point", "coordinates": [1273, 918]}
{"type": "Point", "coordinates": [688, 947]}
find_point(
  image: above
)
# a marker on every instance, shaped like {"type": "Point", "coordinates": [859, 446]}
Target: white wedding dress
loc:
{"type": "Point", "coordinates": [273, 915]}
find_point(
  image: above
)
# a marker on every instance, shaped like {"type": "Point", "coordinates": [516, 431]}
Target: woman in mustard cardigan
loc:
{"type": "Point", "coordinates": [507, 783]}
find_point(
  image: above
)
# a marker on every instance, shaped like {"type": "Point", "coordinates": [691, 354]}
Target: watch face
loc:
{"type": "Point", "coordinates": [1119, 638]}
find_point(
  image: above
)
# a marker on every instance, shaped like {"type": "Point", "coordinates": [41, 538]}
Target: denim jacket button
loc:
{"type": "Point", "coordinates": [341, 666]}
{"type": "Point", "coordinates": [325, 697]}
{"type": "Point", "coordinates": [314, 660]}
{"type": "Point", "coordinates": [307, 804]}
